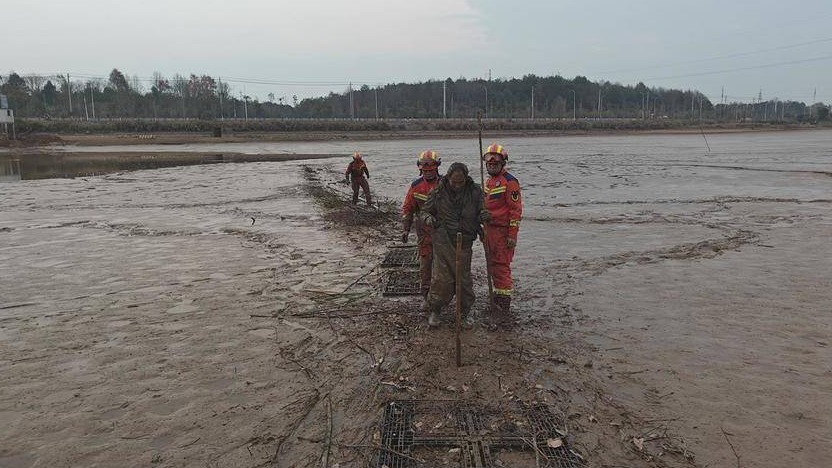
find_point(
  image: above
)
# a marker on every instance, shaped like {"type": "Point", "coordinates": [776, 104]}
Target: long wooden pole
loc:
{"type": "Point", "coordinates": [458, 294]}
{"type": "Point", "coordinates": [485, 248]}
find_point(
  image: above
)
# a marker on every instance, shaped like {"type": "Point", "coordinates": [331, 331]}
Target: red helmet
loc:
{"type": "Point", "coordinates": [356, 156]}
{"type": "Point", "coordinates": [428, 160]}
{"type": "Point", "coordinates": [495, 150]}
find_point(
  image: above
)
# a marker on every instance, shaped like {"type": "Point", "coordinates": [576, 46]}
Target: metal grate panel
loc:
{"type": "Point", "coordinates": [437, 433]}
{"type": "Point", "coordinates": [407, 256]}
{"type": "Point", "coordinates": [401, 283]}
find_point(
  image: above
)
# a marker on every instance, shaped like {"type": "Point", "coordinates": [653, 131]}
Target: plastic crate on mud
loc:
{"type": "Point", "coordinates": [405, 256]}
{"type": "Point", "coordinates": [466, 434]}
{"type": "Point", "coordinates": [401, 283]}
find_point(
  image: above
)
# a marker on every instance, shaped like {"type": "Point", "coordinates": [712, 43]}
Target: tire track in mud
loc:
{"type": "Point", "coordinates": [566, 272]}
{"type": "Point", "coordinates": [740, 168]}
{"type": "Point", "coordinates": [280, 193]}
{"type": "Point", "coordinates": [551, 296]}
{"type": "Point", "coordinates": [725, 199]}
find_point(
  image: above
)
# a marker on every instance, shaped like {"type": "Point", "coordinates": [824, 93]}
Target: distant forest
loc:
{"type": "Point", "coordinates": [530, 97]}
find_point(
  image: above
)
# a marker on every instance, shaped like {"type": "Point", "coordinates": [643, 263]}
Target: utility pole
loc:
{"type": "Point", "coordinates": [574, 107]}
{"type": "Point", "coordinates": [692, 115]}
{"type": "Point", "coordinates": [376, 96]}
{"type": "Point", "coordinates": [599, 103]}
{"type": "Point", "coordinates": [814, 100]}
{"type": "Point", "coordinates": [485, 87]}
{"type": "Point", "coordinates": [352, 109]}
{"type": "Point", "coordinates": [532, 102]}
{"type": "Point", "coordinates": [86, 113]}
{"type": "Point", "coordinates": [245, 105]}
{"type": "Point", "coordinates": [642, 104]}
{"type": "Point", "coordinates": [92, 99]}
{"type": "Point", "coordinates": [444, 99]}
{"type": "Point", "coordinates": [69, 93]}
{"type": "Point", "coordinates": [220, 96]}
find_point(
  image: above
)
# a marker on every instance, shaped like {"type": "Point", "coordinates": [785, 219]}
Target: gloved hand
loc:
{"type": "Point", "coordinates": [485, 217]}
{"type": "Point", "coordinates": [347, 180]}
{"type": "Point", "coordinates": [511, 243]}
{"type": "Point", "coordinates": [429, 220]}
{"type": "Point", "coordinates": [404, 237]}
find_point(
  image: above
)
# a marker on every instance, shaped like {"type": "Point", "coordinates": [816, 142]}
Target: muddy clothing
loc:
{"type": "Point", "coordinates": [415, 198]}
{"type": "Point", "coordinates": [503, 202]}
{"type": "Point", "coordinates": [355, 173]}
{"type": "Point", "coordinates": [453, 212]}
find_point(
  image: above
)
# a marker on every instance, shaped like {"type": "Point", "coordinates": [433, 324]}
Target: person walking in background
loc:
{"type": "Point", "coordinates": [428, 164]}
{"type": "Point", "coordinates": [505, 208]}
{"type": "Point", "coordinates": [358, 174]}
{"type": "Point", "coordinates": [455, 205]}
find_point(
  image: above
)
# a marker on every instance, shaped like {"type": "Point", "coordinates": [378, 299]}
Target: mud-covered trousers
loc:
{"type": "Point", "coordinates": [365, 186]}
{"type": "Point", "coordinates": [443, 278]}
{"type": "Point", "coordinates": [500, 258]}
{"type": "Point", "coordinates": [425, 262]}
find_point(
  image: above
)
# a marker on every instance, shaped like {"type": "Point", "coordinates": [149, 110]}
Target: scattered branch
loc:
{"type": "Point", "coordinates": [731, 445]}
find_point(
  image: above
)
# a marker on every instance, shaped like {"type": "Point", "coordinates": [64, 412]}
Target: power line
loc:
{"type": "Point", "coordinates": [755, 67]}
{"type": "Point", "coordinates": [721, 57]}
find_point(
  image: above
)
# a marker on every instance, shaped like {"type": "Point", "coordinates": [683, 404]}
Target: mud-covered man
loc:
{"type": "Point", "coordinates": [505, 208]}
{"type": "Point", "coordinates": [428, 164]}
{"type": "Point", "coordinates": [357, 173]}
{"type": "Point", "coordinates": [455, 205]}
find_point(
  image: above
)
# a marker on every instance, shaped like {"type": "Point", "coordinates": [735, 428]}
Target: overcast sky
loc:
{"type": "Point", "coordinates": [782, 49]}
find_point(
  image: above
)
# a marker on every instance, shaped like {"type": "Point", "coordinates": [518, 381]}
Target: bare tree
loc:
{"type": "Point", "coordinates": [34, 82]}
{"type": "Point", "coordinates": [136, 84]}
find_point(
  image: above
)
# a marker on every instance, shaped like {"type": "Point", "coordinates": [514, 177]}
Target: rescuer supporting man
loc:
{"type": "Point", "coordinates": [357, 170]}
{"type": "Point", "coordinates": [505, 208]}
{"type": "Point", "coordinates": [428, 164]}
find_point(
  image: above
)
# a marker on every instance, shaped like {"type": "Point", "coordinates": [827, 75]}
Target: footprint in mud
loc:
{"type": "Point", "coordinates": [183, 307]}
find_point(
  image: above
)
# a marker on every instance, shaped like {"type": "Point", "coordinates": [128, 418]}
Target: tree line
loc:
{"type": "Point", "coordinates": [203, 97]}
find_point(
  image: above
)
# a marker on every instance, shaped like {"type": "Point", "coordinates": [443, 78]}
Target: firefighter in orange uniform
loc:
{"type": "Point", "coordinates": [428, 164]}
{"type": "Point", "coordinates": [505, 207]}
{"type": "Point", "coordinates": [355, 173]}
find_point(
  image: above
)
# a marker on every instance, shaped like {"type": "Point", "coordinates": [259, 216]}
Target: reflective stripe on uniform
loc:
{"type": "Point", "coordinates": [502, 292]}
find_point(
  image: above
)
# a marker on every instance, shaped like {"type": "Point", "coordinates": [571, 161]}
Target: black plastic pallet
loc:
{"type": "Point", "coordinates": [401, 257]}
{"type": "Point", "coordinates": [401, 283]}
{"type": "Point", "coordinates": [437, 433]}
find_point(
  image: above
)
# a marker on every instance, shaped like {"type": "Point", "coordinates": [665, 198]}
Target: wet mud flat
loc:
{"type": "Point", "coordinates": [671, 314]}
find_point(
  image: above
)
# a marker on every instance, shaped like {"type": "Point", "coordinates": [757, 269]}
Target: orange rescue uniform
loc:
{"type": "Point", "coordinates": [356, 170]}
{"type": "Point", "coordinates": [503, 202]}
{"type": "Point", "coordinates": [413, 202]}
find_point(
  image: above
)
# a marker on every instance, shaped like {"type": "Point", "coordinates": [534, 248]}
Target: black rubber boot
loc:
{"type": "Point", "coordinates": [502, 311]}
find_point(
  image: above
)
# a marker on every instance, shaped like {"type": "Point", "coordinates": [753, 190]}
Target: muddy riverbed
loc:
{"type": "Point", "coordinates": [673, 292]}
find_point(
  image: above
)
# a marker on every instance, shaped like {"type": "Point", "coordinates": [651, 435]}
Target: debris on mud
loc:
{"type": "Point", "coordinates": [381, 353]}
{"type": "Point", "coordinates": [333, 199]}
